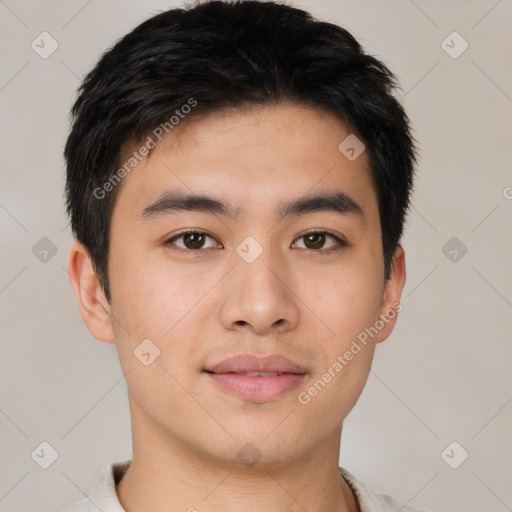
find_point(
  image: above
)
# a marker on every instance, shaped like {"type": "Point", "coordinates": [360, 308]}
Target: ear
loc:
{"type": "Point", "coordinates": [94, 308]}
{"type": "Point", "coordinates": [392, 292]}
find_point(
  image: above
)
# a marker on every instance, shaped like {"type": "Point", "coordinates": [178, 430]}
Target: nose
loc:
{"type": "Point", "coordinates": [259, 296]}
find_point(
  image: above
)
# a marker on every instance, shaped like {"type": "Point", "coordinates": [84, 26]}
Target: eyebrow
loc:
{"type": "Point", "coordinates": [174, 201]}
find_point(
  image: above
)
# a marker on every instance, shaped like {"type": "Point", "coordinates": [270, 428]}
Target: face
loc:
{"type": "Point", "coordinates": [281, 257]}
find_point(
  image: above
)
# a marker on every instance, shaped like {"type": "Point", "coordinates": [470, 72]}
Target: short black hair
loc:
{"type": "Point", "coordinates": [229, 54]}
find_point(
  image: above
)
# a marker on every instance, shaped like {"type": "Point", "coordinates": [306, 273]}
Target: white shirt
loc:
{"type": "Point", "coordinates": [103, 494]}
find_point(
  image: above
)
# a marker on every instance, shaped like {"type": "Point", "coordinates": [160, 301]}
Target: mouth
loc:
{"type": "Point", "coordinates": [256, 379]}
{"type": "Point", "coordinates": [257, 386]}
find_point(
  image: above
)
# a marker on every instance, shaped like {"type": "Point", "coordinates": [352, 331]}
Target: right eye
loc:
{"type": "Point", "coordinates": [191, 240]}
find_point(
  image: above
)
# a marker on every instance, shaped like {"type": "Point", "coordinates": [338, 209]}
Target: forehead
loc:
{"type": "Point", "coordinates": [253, 158]}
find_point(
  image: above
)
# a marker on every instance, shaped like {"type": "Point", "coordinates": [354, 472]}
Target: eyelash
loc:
{"type": "Point", "coordinates": [341, 243]}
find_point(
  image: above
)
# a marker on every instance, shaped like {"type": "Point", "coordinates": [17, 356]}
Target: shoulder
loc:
{"type": "Point", "coordinates": [102, 495]}
{"type": "Point", "coordinates": [370, 501]}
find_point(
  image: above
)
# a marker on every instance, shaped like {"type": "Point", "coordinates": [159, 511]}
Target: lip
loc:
{"type": "Point", "coordinates": [231, 375]}
{"type": "Point", "coordinates": [247, 363]}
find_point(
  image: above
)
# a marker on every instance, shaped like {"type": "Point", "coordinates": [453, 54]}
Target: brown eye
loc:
{"type": "Point", "coordinates": [316, 240]}
{"type": "Point", "coordinates": [191, 240]}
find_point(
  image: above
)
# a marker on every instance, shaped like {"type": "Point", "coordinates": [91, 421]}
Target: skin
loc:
{"type": "Point", "coordinates": [200, 306]}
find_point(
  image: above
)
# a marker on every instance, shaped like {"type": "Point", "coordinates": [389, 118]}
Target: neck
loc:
{"type": "Point", "coordinates": [167, 475]}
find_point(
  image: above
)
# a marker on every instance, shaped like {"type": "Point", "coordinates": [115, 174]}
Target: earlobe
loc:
{"type": "Point", "coordinates": [392, 294]}
{"type": "Point", "coordinates": [91, 299]}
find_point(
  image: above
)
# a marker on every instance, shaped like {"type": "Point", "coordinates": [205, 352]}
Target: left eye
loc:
{"type": "Point", "coordinates": [316, 240]}
{"type": "Point", "coordinates": [195, 240]}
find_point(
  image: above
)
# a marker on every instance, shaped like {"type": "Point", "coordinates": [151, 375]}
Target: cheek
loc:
{"type": "Point", "coordinates": [151, 300]}
{"type": "Point", "coordinates": [344, 301]}
{"type": "Point", "coordinates": [347, 305]}
{"type": "Point", "coordinates": [150, 296]}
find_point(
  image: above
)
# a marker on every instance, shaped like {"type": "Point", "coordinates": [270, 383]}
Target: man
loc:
{"type": "Point", "coordinates": [238, 174]}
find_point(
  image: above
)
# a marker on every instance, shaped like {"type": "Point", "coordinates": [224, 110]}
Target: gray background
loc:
{"type": "Point", "coordinates": [445, 373]}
